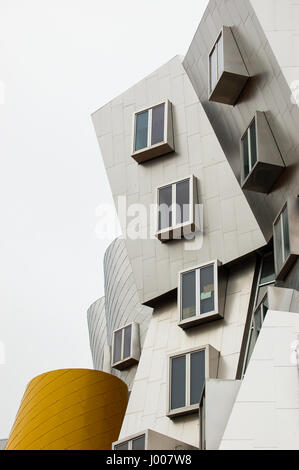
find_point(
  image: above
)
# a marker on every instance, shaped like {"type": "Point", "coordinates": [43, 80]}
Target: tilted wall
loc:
{"type": "Point", "coordinates": [229, 227]}
{"type": "Point", "coordinates": [267, 90]}
{"type": "Point", "coordinates": [119, 307]}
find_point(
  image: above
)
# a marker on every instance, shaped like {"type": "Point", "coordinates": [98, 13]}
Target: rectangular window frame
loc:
{"type": "Point", "coordinates": [252, 328]}
{"type": "Point", "coordinates": [160, 148]}
{"type": "Point", "coordinates": [287, 260]}
{"type": "Point", "coordinates": [211, 367]}
{"type": "Point", "coordinates": [130, 440]}
{"type": "Point", "coordinates": [134, 348]}
{"type": "Point", "coordinates": [177, 231]}
{"type": "Point", "coordinates": [251, 167]}
{"type": "Point", "coordinates": [199, 318]}
{"type": "Point", "coordinates": [215, 47]}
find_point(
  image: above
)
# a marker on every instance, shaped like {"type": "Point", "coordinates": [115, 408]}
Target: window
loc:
{"type": "Point", "coordinates": [281, 239]}
{"type": "Point", "coordinates": [200, 289]}
{"type": "Point", "coordinates": [138, 443]}
{"type": "Point", "coordinates": [216, 62]}
{"type": "Point", "coordinates": [125, 347]}
{"type": "Point", "coordinates": [266, 278]}
{"type": "Point", "coordinates": [153, 133]}
{"type": "Point", "coordinates": [176, 209]}
{"type": "Point", "coordinates": [187, 375]}
{"type": "Point", "coordinates": [261, 160]}
{"type": "Point", "coordinates": [228, 74]}
{"type": "Point", "coordinates": [150, 440]}
{"type": "Point", "coordinates": [249, 149]}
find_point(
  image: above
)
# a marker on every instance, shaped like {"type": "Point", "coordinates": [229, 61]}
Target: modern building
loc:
{"type": "Point", "coordinates": [200, 315]}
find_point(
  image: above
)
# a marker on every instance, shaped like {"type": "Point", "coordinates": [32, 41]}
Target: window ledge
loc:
{"type": "Point", "coordinates": [187, 410]}
{"type": "Point", "coordinates": [177, 232]}
{"type": "Point", "coordinates": [286, 267]}
{"type": "Point", "coordinates": [148, 153]}
{"type": "Point", "coordinates": [199, 319]}
{"type": "Point", "coordinates": [124, 364]}
{"type": "Point", "coordinates": [262, 177]}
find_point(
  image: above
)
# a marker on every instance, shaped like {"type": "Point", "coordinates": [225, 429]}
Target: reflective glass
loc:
{"type": "Point", "coordinates": [165, 203]}
{"type": "Point", "coordinates": [246, 155]}
{"type": "Point", "coordinates": [127, 341]}
{"type": "Point", "coordinates": [207, 289]}
{"type": "Point", "coordinates": [197, 376]}
{"type": "Point", "coordinates": [182, 202]}
{"type": "Point", "coordinates": [286, 234]}
{"type": "Point", "coordinates": [188, 281]}
{"type": "Point", "coordinates": [158, 124]}
{"type": "Point", "coordinates": [213, 69]}
{"type": "Point", "coordinates": [117, 346]}
{"type": "Point", "coordinates": [278, 245]}
{"type": "Point", "coordinates": [123, 446]}
{"type": "Point", "coordinates": [138, 443]}
{"type": "Point", "coordinates": [141, 130]}
{"type": "Point", "coordinates": [268, 271]}
{"type": "Point", "coordinates": [253, 147]}
{"type": "Point", "coordinates": [178, 382]}
{"type": "Point", "coordinates": [220, 56]}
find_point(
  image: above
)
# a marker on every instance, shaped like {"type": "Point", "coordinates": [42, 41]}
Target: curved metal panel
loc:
{"type": "Point", "coordinates": [70, 409]}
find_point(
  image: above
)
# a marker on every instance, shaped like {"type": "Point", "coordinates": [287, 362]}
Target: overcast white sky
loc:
{"type": "Point", "coordinates": [60, 60]}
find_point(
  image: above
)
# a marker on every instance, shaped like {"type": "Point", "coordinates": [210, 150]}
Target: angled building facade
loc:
{"type": "Point", "coordinates": [201, 310]}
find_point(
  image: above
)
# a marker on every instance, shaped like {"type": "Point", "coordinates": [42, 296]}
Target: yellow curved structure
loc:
{"type": "Point", "coordinates": [70, 409]}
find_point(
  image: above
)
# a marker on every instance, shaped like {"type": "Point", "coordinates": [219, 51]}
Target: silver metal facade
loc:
{"type": "Point", "coordinates": [119, 307]}
{"type": "Point", "coordinates": [229, 228]}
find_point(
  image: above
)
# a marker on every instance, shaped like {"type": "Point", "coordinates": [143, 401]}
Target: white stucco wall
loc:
{"type": "Point", "coordinates": [266, 411]}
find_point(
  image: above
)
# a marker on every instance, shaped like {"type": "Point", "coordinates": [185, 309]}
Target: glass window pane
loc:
{"type": "Point", "coordinates": [261, 292]}
{"type": "Point", "coordinates": [253, 147]}
{"type": "Point", "coordinates": [165, 203]}
{"type": "Point", "coordinates": [138, 443]}
{"type": "Point", "coordinates": [268, 271]}
{"type": "Point", "coordinates": [250, 346]}
{"type": "Point", "coordinates": [178, 382]}
{"type": "Point", "coordinates": [213, 69]}
{"type": "Point", "coordinates": [245, 155]}
{"type": "Point", "coordinates": [265, 308]}
{"type": "Point", "coordinates": [182, 202]}
{"type": "Point", "coordinates": [122, 446]}
{"type": "Point", "coordinates": [188, 294]}
{"type": "Point", "coordinates": [286, 234]}
{"type": "Point", "coordinates": [117, 346]}
{"type": "Point", "coordinates": [220, 56]}
{"type": "Point", "coordinates": [127, 341]}
{"type": "Point", "coordinates": [141, 130]}
{"type": "Point", "coordinates": [207, 289]}
{"type": "Point", "coordinates": [258, 321]}
{"type": "Point", "coordinates": [278, 245]}
{"type": "Point", "coordinates": [197, 376]}
{"type": "Point", "coordinates": [158, 124]}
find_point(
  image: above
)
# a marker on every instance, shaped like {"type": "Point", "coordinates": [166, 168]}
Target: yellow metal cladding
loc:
{"type": "Point", "coordinates": [70, 409]}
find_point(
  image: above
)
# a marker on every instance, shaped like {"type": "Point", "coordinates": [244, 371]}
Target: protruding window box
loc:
{"type": "Point", "coordinates": [201, 294]}
{"type": "Point", "coordinates": [178, 215]}
{"type": "Point", "coordinates": [153, 132]}
{"type": "Point", "coordinates": [227, 72]}
{"type": "Point", "coordinates": [286, 237]}
{"type": "Point", "coordinates": [125, 346]}
{"type": "Point", "coordinates": [261, 159]}
{"type": "Point", "coordinates": [188, 371]}
{"type": "Point", "coordinates": [150, 440]}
